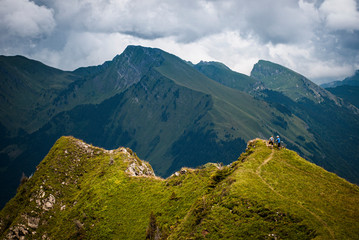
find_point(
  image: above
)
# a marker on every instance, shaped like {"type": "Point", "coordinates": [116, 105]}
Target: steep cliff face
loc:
{"type": "Point", "coordinates": [82, 191]}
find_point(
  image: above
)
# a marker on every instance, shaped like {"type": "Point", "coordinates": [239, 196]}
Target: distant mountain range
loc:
{"type": "Point", "coordinates": [170, 112]}
{"type": "Point", "coordinates": [80, 191]}
{"type": "Point", "coordinates": [348, 89]}
{"type": "Point", "coordinates": [349, 81]}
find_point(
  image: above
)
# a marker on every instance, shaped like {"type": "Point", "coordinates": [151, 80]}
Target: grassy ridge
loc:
{"type": "Point", "coordinates": [95, 198]}
{"type": "Point", "coordinates": [288, 197]}
{"type": "Point", "coordinates": [266, 194]}
{"type": "Point", "coordinates": [168, 112]}
{"type": "Point", "coordinates": [286, 181]}
{"type": "Point", "coordinates": [222, 74]}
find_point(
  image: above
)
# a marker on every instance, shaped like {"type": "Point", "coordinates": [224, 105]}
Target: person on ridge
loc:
{"type": "Point", "coordinates": [278, 141]}
{"type": "Point", "coordinates": [271, 140]}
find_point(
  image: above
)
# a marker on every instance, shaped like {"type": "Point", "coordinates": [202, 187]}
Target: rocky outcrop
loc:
{"type": "Point", "coordinates": [18, 232]}
{"type": "Point", "coordinates": [180, 172]}
{"type": "Point", "coordinates": [33, 222]}
{"type": "Point", "coordinates": [42, 202]}
{"type": "Point", "coordinates": [139, 168]}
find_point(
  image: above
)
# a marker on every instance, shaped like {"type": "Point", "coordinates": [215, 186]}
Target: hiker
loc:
{"type": "Point", "coordinates": [278, 141]}
{"type": "Point", "coordinates": [271, 140]}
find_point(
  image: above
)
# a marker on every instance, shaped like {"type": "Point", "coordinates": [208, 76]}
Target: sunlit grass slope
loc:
{"type": "Point", "coordinates": [281, 179]}
{"type": "Point", "coordinates": [275, 194]}
{"type": "Point", "coordinates": [83, 192]}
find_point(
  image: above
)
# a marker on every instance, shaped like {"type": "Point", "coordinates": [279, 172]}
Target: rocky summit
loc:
{"type": "Point", "coordinates": [80, 191]}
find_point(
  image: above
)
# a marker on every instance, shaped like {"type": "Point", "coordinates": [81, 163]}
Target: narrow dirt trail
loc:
{"type": "Point", "coordinates": [258, 172]}
{"type": "Point", "coordinates": [259, 169]}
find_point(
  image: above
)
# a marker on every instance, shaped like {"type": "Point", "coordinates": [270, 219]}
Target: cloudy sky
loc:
{"type": "Point", "coordinates": [317, 38]}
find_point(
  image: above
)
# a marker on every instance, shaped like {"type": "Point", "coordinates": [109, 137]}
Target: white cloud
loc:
{"type": "Point", "coordinates": [303, 61]}
{"type": "Point", "coordinates": [341, 14]}
{"type": "Point", "coordinates": [23, 18]}
{"type": "Point", "coordinates": [85, 49]}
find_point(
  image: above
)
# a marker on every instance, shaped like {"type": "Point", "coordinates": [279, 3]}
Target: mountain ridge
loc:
{"type": "Point", "coordinates": [347, 89]}
{"type": "Point", "coordinates": [216, 70]}
{"type": "Point", "coordinates": [173, 115]}
{"type": "Point", "coordinates": [350, 81]}
{"type": "Point", "coordinates": [82, 191]}
{"type": "Point", "coordinates": [290, 83]}
{"type": "Point", "coordinates": [319, 109]}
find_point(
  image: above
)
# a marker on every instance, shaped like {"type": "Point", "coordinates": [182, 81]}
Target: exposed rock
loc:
{"type": "Point", "coordinates": [139, 168]}
{"type": "Point", "coordinates": [124, 150]}
{"type": "Point", "coordinates": [180, 172]}
{"type": "Point", "coordinates": [17, 232]}
{"type": "Point", "coordinates": [1, 224]}
{"type": "Point", "coordinates": [41, 193]}
{"type": "Point", "coordinates": [49, 202]}
{"type": "Point", "coordinates": [33, 222]}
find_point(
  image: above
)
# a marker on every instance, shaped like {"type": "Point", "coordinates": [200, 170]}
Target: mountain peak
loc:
{"type": "Point", "coordinates": [123, 71]}
{"type": "Point", "coordinates": [295, 86]}
{"type": "Point", "coordinates": [135, 51]}
{"type": "Point", "coordinates": [213, 63]}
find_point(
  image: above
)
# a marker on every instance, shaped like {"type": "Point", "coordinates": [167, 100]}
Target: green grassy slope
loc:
{"type": "Point", "coordinates": [27, 89]}
{"type": "Point", "coordinates": [165, 109]}
{"type": "Point", "coordinates": [274, 194]}
{"type": "Point", "coordinates": [333, 123]}
{"type": "Point", "coordinates": [234, 110]}
{"type": "Point", "coordinates": [288, 82]}
{"type": "Point", "coordinates": [158, 105]}
{"type": "Point", "coordinates": [90, 186]}
{"type": "Point", "coordinates": [230, 115]}
{"type": "Point", "coordinates": [222, 74]}
{"type": "Point", "coordinates": [33, 94]}
{"type": "Point", "coordinates": [82, 191]}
